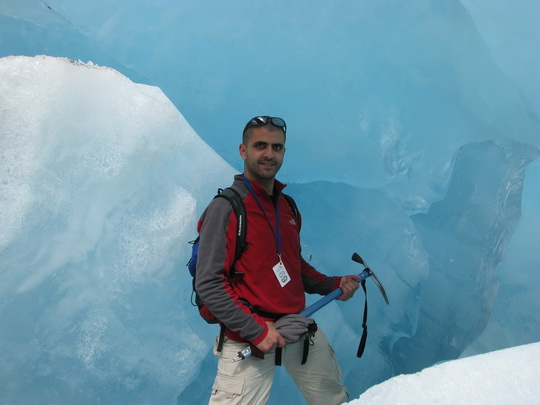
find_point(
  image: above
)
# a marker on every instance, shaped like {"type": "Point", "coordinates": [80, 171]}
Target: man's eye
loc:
{"type": "Point", "coordinates": [278, 148]}
{"type": "Point", "coordinates": [260, 145]}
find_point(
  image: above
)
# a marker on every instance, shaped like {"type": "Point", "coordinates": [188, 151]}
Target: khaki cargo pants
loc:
{"type": "Point", "coordinates": [249, 381]}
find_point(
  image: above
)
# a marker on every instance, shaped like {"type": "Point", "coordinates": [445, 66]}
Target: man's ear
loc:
{"type": "Point", "coordinates": [242, 150]}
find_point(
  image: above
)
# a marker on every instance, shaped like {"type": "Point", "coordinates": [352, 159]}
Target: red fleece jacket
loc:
{"type": "Point", "coordinates": [254, 280]}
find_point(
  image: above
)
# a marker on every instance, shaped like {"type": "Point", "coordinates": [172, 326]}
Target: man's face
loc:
{"type": "Point", "coordinates": [263, 153]}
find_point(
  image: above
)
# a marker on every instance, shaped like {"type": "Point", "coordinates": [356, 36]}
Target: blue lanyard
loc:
{"type": "Point", "coordinates": [275, 231]}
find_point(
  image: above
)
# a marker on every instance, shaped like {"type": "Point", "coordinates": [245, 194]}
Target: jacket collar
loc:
{"type": "Point", "coordinates": [278, 186]}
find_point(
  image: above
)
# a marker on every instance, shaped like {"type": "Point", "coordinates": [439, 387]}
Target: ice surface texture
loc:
{"type": "Point", "coordinates": [413, 139]}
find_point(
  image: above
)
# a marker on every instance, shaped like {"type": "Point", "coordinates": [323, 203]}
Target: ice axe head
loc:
{"type": "Point", "coordinates": [356, 257]}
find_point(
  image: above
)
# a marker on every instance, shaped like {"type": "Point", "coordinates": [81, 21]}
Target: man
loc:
{"type": "Point", "coordinates": [268, 281]}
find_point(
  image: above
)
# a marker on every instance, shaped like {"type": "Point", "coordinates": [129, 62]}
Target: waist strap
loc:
{"type": "Point", "coordinates": [268, 315]}
{"type": "Point", "coordinates": [264, 314]}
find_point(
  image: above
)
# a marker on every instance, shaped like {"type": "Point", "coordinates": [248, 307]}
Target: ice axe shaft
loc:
{"type": "Point", "coordinates": [330, 297]}
{"type": "Point", "coordinates": [338, 291]}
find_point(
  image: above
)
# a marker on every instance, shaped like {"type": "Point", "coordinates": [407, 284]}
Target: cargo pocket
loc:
{"type": "Point", "coordinates": [227, 388]}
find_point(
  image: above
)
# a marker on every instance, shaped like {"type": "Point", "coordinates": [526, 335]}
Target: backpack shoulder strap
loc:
{"type": "Point", "coordinates": [292, 203]}
{"type": "Point", "coordinates": [237, 205]}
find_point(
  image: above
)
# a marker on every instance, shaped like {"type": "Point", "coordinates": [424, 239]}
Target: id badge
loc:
{"type": "Point", "coordinates": [281, 274]}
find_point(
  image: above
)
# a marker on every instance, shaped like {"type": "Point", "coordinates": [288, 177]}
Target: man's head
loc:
{"type": "Point", "coordinates": [263, 149]}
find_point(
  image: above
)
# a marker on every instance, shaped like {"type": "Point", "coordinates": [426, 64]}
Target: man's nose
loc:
{"type": "Point", "coordinates": [268, 152]}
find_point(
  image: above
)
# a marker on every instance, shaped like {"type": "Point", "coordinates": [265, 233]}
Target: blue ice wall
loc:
{"type": "Point", "coordinates": [413, 139]}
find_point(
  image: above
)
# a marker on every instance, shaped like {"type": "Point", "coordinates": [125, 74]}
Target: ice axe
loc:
{"type": "Point", "coordinates": [338, 291]}
{"type": "Point", "coordinates": [241, 355]}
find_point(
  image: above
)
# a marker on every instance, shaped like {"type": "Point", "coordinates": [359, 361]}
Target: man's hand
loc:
{"type": "Point", "coordinates": [349, 285]}
{"type": "Point", "coordinates": [272, 339]}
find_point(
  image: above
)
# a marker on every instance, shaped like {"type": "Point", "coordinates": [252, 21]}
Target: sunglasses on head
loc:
{"type": "Point", "coordinates": [262, 120]}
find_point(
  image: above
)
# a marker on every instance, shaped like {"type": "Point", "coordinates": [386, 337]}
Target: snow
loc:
{"type": "Point", "coordinates": [508, 376]}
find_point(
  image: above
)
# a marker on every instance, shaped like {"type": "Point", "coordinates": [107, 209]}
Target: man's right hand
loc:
{"type": "Point", "coordinates": [273, 338]}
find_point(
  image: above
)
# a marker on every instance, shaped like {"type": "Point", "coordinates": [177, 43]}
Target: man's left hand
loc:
{"type": "Point", "coordinates": [349, 285]}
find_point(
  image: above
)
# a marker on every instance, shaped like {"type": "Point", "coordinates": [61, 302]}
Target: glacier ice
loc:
{"type": "Point", "coordinates": [99, 186]}
{"type": "Point", "coordinates": [421, 117]}
{"type": "Point", "coordinates": [465, 236]}
{"type": "Point", "coordinates": [102, 179]}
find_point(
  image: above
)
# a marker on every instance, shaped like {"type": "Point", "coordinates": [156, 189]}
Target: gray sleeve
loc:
{"type": "Point", "coordinates": [213, 271]}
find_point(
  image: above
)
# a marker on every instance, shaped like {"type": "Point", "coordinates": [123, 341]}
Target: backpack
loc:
{"type": "Point", "coordinates": [240, 212]}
